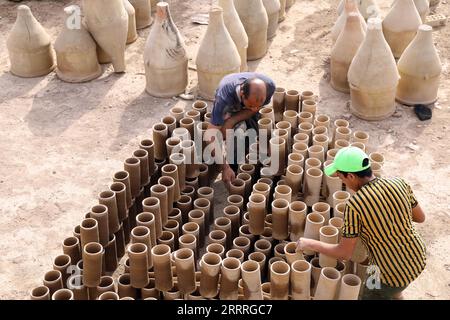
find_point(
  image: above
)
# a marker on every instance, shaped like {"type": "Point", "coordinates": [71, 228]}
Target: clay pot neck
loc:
{"type": "Point", "coordinates": [162, 12]}
{"type": "Point", "coordinates": [24, 12]}
{"type": "Point", "coordinates": [353, 21]}
{"type": "Point", "coordinates": [350, 6]}
{"type": "Point", "coordinates": [216, 19]}
{"type": "Point", "coordinates": [425, 35]}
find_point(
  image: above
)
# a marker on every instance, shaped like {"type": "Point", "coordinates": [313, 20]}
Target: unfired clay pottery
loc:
{"type": "Point", "coordinates": [256, 22]}
{"type": "Point", "coordinates": [92, 264]}
{"type": "Point", "coordinates": [273, 13]}
{"type": "Point", "coordinates": [162, 267]}
{"type": "Point", "coordinates": [107, 21]}
{"type": "Point", "coordinates": [350, 7]}
{"type": "Point", "coordinates": [349, 287]}
{"type": "Point", "coordinates": [185, 264]}
{"type": "Point", "coordinates": [328, 234]}
{"type": "Point", "coordinates": [132, 34]}
{"type": "Point", "coordinates": [217, 55]}
{"type": "Point", "coordinates": [300, 280]}
{"type": "Point", "coordinates": [373, 76]}
{"type": "Point", "coordinates": [279, 280]}
{"type": "Point", "coordinates": [230, 275]}
{"type": "Point", "coordinates": [29, 46]}
{"type": "Point", "coordinates": [137, 253]}
{"type": "Point", "coordinates": [256, 209]}
{"type": "Point", "coordinates": [143, 13]}
{"type": "Point", "coordinates": [251, 278]}
{"type": "Point", "coordinates": [314, 221]}
{"type": "Point", "coordinates": [280, 209]}
{"type": "Point", "coordinates": [165, 57]}
{"type": "Point", "coordinates": [420, 69]}
{"type": "Point", "coordinates": [210, 270]}
{"type": "Point", "coordinates": [40, 293]}
{"type": "Point", "coordinates": [328, 282]}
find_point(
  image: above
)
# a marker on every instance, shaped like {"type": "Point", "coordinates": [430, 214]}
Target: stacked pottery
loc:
{"type": "Point", "coordinates": [166, 74]}
{"type": "Point", "coordinates": [373, 76]}
{"type": "Point", "coordinates": [29, 46]}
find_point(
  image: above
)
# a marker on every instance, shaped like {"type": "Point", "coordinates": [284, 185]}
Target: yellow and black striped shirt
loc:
{"type": "Point", "coordinates": [380, 213]}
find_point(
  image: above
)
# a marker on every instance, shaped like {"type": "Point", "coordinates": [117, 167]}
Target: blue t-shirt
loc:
{"type": "Point", "coordinates": [227, 100]}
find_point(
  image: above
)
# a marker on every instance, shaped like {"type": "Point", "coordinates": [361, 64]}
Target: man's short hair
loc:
{"type": "Point", "coordinates": [246, 86]}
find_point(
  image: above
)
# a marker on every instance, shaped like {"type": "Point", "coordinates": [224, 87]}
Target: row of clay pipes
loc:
{"type": "Point", "coordinates": [238, 31]}
{"type": "Point", "coordinates": [363, 59]}
{"type": "Point", "coordinates": [158, 216]}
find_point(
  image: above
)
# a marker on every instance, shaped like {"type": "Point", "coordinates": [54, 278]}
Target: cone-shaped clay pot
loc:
{"type": "Point", "coordinates": [40, 293]}
{"type": "Point", "coordinates": [373, 76]}
{"type": "Point", "coordinates": [236, 30]}
{"type": "Point", "coordinates": [328, 283]}
{"type": "Point", "coordinates": [185, 265]}
{"type": "Point", "coordinates": [328, 234]}
{"type": "Point", "coordinates": [165, 57]}
{"type": "Point", "coordinates": [314, 221]}
{"type": "Point", "coordinates": [257, 213]}
{"type": "Point", "coordinates": [256, 22]}
{"type": "Point", "coordinates": [29, 46]}
{"type": "Point", "coordinates": [132, 33]}
{"type": "Point", "coordinates": [137, 253]}
{"type": "Point", "coordinates": [217, 55]}
{"type": "Point", "coordinates": [210, 270]}
{"type": "Point", "coordinates": [344, 50]}
{"type": "Point", "coordinates": [400, 25]}
{"type": "Point", "coordinates": [143, 13]}
{"type": "Point", "coordinates": [161, 192]}
{"type": "Point", "coordinates": [107, 21]}
{"type": "Point", "coordinates": [141, 234]}
{"type": "Point", "coordinates": [350, 7]}
{"type": "Point", "coordinates": [280, 209]}
{"type": "Point", "coordinates": [230, 275]}
{"type": "Point", "coordinates": [279, 280]}
{"type": "Point", "coordinates": [273, 13]}
{"type": "Point", "coordinates": [423, 7]}
{"type": "Point", "coordinates": [297, 219]}
{"type": "Point", "coordinates": [151, 218]}
{"type": "Point", "coordinates": [108, 198]}
{"type": "Point", "coordinates": [76, 52]}
{"type": "Point", "coordinates": [251, 278]}
{"type": "Point", "coordinates": [350, 287]}
{"type": "Point", "coordinates": [162, 267]}
{"type": "Point", "coordinates": [89, 231]}
{"type": "Point", "coordinates": [300, 280]}
{"type": "Point", "coordinates": [92, 264]}
{"type": "Point", "coordinates": [420, 69]}
{"type": "Point", "coordinates": [312, 184]}
{"type": "Point", "coordinates": [71, 247]}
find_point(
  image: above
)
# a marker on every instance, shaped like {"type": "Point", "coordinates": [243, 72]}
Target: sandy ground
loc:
{"type": "Point", "coordinates": [61, 143]}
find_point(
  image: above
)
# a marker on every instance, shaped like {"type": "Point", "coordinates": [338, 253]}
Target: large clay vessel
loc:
{"type": "Point", "coordinates": [143, 13]}
{"type": "Point", "coordinates": [217, 55]}
{"type": "Point", "coordinates": [107, 21]}
{"type": "Point", "coordinates": [76, 52]}
{"type": "Point", "coordinates": [29, 46]}
{"type": "Point", "coordinates": [165, 58]}
{"type": "Point", "coordinates": [132, 33]}
{"type": "Point", "coordinates": [420, 69]}
{"type": "Point", "coordinates": [350, 7]}
{"type": "Point", "coordinates": [236, 30]}
{"type": "Point", "coordinates": [373, 76]}
{"type": "Point", "coordinates": [256, 22]}
{"type": "Point", "coordinates": [400, 25]}
{"type": "Point", "coordinates": [273, 13]}
{"type": "Point", "coordinates": [344, 51]}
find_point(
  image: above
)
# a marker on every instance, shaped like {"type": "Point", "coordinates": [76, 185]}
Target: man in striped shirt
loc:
{"type": "Point", "coordinates": [380, 213]}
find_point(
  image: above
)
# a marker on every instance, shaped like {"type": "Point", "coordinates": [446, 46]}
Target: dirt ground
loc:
{"type": "Point", "coordinates": [61, 143]}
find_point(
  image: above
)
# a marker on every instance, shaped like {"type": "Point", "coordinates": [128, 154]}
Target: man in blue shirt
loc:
{"type": "Point", "coordinates": [238, 100]}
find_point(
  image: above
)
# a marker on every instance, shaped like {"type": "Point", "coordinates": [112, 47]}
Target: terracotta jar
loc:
{"type": "Point", "coordinates": [373, 91]}
{"type": "Point", "coordinates": [217, 55]}
{"type": "Point", "coordinates": [420, 69]}
{"type": "Point", "coordinates": [162, 267]}
{"type": "Point", "coordinates": [76, 52]}
{"type": "Point", "coordinates": [107, 21]}
{"type": "Point", "coordinates": [273, 13]}
{"type": "Point", "coordinates": [165, 56]}
{"type": "Point", "coordinates": [143, 13]}
{"type": "Point", "coordinates": [279, 280]}
{"type": "Point", "coordinates": [300, 280]}
{"type": "Point", "coordinates": [236, 30]}
{"type": "Point", "coordinates": [256, 22]}
{"type": "Point", "coordinates": [210, 270]}
{"type": "Point", "coordinates": [400, 25]}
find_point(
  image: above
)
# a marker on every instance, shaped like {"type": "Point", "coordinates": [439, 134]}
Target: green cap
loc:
{"type": "Point", "coordinates": [349, 159]}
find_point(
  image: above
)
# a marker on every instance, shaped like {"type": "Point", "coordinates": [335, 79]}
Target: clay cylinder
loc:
{"type": "Point", "coordinates": [40, 293]}
{"type": "Point", "coordinates": [185, 205]}
{"type": "Point", "coordinates": [143, 157]}
{"type": "Point", "coordinates": [106, 285]}
{"type": "Point", "coordinates": [257, 212]}
{"type": "Point", "coordinates": [332, 185]}
{"type": "Point", "coordinates": [179, 160]}
{"type": "Point", "coordinates": [29, 46]}
{"type": "Point", "coordinates": [71, 247]}
{"type": "Point", "coordinates": [53, 281]}
{"type": "Point", "coordinates": [143, 13]}
{"type": "Point", "coordinates": [124, 177]}
{"type": "Point", "coordinates": [251, 277]}
{"type": "Point", "coordinates": [210, 270]}
{"type": "Point", "coordinates": [280, 218]}
{"type": "Point", "coordinates": [323, 209]}
{"type": "Point", "coordinates": [339, 144]}
{"type": "Point", "coordinates": [263, 189]}
{"type": "Point", "coordinates": [119, 189]}
{"type": "Point", "coordinates": [150, 292]}
{"type": "Point", "coordinates": [312, 163]}
{"type": "Point", "coordinates": [193, 229]}
{"type": "Point", "coordinates": [235, 253]}
{"type": "Point", "coordinates": [342, 133]}
{"type": "Point", "coordinates": [218, 236]}
{"type": "Point", "coordinates": [309, 106]}
{"type": "Point", "coordinates": [294, 175]}
{"type": "Point", "coordinates": [101, 18]}
{"type": "Point", "coordinates": [256, 22]}
{"type": "Point", "coordinates": [89, 231]}
{"type": "Point", "coordinates": [327, 285]}
{"type": "Point", "coordinates": [76, 51]}
{"type": "Point", "coordinates": [63, 294]}
{"type": "Point", "coordinates": [108, 198]}
{"type": "Point", "coordinates": [162, 267]}
{"type": "Point", "coordinates": [216, 248]}
{"type": "Point", "coordinates": [243, 244]}
{"type": "Point", "coordinates": [314, 221]}
{"type": "Point", "coordinates": [217, 55]}
{"type": "Point", "coordinates": [340, 197]}
{"type": "Point", "coordinates": [160, 134]}
{"type": "Point", "coordinates": [62, 263]}
{"type": "Point", "coordinates": [171, 170]}
{"type": "Point", "coordinates": [278, 153]}
{"type": "Point", "coordinates": [137, 253]}
{"type": "Point", "coordinates": [160, 192]}
{"type": "Point", "coordinates": [189, 150]}
{"type": "Point", "coordinates": [151, 217]}
{"type": "Point", "coordinates": [224, 224]}
{"type": "Point", "coordinates": [92, 264]}
{"type": "Point", "coordinates": [204, 205]}
{"type": "Point", "coordinates": [124, 288]}
{"type": "Point", "coordinates": [349, 287]}
{"type": "Point", "coordinates": [312, 184]}
{"type": "Point", "coordinates": [167, 238]}
{"type": "Point", "coordinates": [166, 74]}
{"type": "Point", "coordinates": [279, 280]}
{"type": "Point", "coordinates": [185, 265]}
{"type": "Point", "coordinates": [188, 241]}
{"type": "Point", "coordinates": [132, 33]}
{"type": "Point", "coordinates": [173, 227]}
{"type": "Point", "coordinates": [305, 127]}
{"type": "Point", "coordinates": [198, 216]}
{"type": "Point", "coordinates": [328, 234]}
{"type": "Point", "coordinates": [141, 234]}
{"type": "Point", "coordinates": [133, 167]}
{"type": "Point", "coordinates": [292, 100]}
{"type": "Point", "coordinates": [297, 219]}
{"type": "Point", "coordinates": [296, 159]}
{"type": "Point", "coordinates": [278, 103]}
{"type": "Point", "coordinates": [300, 280]}
{"type": "Point", "coordinates": [273, 13]}
{"type": "Point", "coordinates": [264, 246]}
{"type": "Point", "coordinates": [111, 296]}
{"type": "Point", "coordinates": [373, 92]}
{"type": "Point", "coordinates": [230, 275]}
{"type": "Point", "coordinates": [233, 214]}
{"type": "Point", "coordinates": [292, 254]}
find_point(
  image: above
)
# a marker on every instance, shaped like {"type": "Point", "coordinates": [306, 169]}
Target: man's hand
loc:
{"type": "Point", "coordinates": [228, 175]}
{"type": "Point", "coordinates": [304, 244]}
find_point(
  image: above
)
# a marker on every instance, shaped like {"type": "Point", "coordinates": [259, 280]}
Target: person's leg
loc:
{"type": "Point", "coordinates": [384, 293]}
